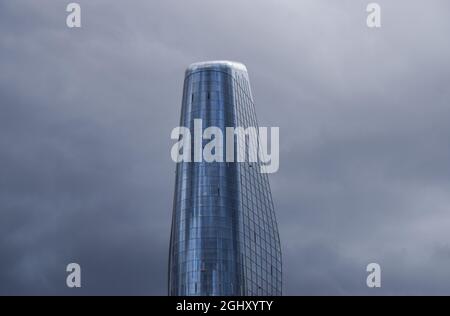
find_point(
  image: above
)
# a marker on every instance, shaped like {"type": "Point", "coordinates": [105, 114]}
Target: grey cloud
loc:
{"type": "Point", "coordinates": [86, 174]}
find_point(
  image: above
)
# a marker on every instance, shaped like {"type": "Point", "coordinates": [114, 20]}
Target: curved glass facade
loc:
{"type": "Point", "coordinates": [224, 238]}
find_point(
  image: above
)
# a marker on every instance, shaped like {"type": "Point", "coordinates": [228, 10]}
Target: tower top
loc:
{"type": "Point", "coordinates": [217, 64]}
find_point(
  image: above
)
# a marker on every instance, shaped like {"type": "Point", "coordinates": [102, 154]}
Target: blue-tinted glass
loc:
{"type": "Point", "coordinates": [224, 238]}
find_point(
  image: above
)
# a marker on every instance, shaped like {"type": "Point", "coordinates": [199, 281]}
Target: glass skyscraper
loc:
{"type": "Point", "coordinates": [224, 238]}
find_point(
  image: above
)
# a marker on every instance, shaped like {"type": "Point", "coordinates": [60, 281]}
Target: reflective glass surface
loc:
{"type": "Point", "coordinates": [224, 238]}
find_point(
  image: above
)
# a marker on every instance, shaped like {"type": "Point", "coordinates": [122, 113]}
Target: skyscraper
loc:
{"type": "Point", "coordinates": [224, 238]}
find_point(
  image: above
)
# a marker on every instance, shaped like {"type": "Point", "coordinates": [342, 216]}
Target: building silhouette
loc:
{"type": "Point", "coordinates": [224, 238]}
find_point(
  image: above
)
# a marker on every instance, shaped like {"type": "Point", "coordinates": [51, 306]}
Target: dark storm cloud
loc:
{"type": "Point", "coordinates": [86, 174]}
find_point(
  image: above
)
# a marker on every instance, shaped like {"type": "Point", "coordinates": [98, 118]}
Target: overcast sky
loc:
{"type": "Point", "coordinates": [86, 114]}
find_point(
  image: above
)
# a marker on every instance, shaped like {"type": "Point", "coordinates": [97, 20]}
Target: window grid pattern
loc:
{"type": "Point", "coordinates": [262, 253]}
{"type": "Point", "coordinates": [224, 238]}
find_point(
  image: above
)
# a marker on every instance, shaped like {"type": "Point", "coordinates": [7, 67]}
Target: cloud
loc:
{"type": "Point", "coordinates": [85, 123]}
